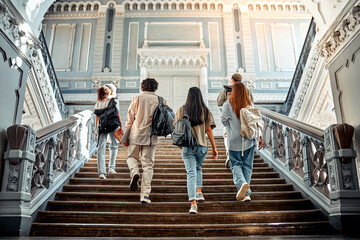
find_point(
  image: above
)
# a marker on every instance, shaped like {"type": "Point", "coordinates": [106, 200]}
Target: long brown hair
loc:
{"type": "Point", "coordinates": [239, 98]}
{"type": "Point", "coordinates": [103, 93]}
{"type": "Point", "coordinates": [194, 107]}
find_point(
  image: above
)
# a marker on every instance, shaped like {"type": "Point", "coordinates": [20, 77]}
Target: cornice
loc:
{"type": "Point", "coordinates": [18, 31]}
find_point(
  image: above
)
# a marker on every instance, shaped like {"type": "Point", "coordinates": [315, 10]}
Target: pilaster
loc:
{"type": "Point", "coordinates": [229, 43]}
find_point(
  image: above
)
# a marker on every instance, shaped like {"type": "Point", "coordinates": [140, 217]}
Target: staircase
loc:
{"type": "Point", "coordinates": [89, 206]}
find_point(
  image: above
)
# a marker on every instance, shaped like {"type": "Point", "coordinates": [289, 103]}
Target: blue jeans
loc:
{"type": "Point", "coordinates": [241, 167]}
{"type": "Point", "coordinates": [101, 152]}
{"type": "Point", "coordinates": [193, 160]}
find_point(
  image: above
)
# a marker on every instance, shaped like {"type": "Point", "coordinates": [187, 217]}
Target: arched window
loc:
{"type": "Point", "coordinates": [51, 8]}
{"type": "Point", "coordinates": [173, 6]}
{"type": "Point", "coordinates": [88, 7]}
{"type": "Point", "coordinates": [158, 6]}
{"type": "Point", "coordinates": [181, 6]}
{"type": "Point", "coordinates": [135, 6]}
{"type": "Point", "coordinates": [204, 6]}
{"type": "Point", "coordinates": [197, 6]}
{"type": "Point", "coordinates": [73, 8]}
{"type": "Point", "coordinates": [189, 6]}
{"type": "Point", "coordinates": [166, 6]}
{"type": "Point", "coordinates": [220, 6]}
{"type": "Point", "coordinates": [96, 6]}
{"type": "Point", "coordinates": [58, 8]}
{"type": "Point", "coordinates": [142, 6]}
{"type": "Point", "coordinates": [66, 8]}
{"type": "Point", "coordinates": [108, 38]}
{"type": "Point", "coordinates": [150, 6]}
{"type": "Point", "coordinates": [127, 6]}
{"type": "Point", "coordinates": [81, 7]}
{"type": "Point", "coordinates": [212, 6]}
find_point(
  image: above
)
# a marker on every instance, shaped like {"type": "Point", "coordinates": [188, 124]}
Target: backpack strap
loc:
{"type": "Point", "coordinates": [185, 115]}
{"type": "Point", "coordinates": [160, 100]}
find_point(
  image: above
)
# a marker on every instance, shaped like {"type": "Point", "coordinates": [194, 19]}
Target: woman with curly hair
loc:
{"type": "Point", "coordinates": [107, 122]}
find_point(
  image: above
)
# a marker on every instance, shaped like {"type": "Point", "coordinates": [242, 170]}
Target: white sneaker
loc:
{"type": "Point", "coordinates": [102, 176]}
{"type": "Point", "coordinates": [145, 200]}
{"type": "Point", "coordinates": [242, 191]}
{"type": "Point", "coordinates": [111, 171]}
{"type": "Point", "coordinates": [227, 163]}
{"type": "Point", "coordinates": [200, 196]}
{"type": "Point", "coordinates": [193, 209]}
{"type": "Point", "coordinates": [246, 199]}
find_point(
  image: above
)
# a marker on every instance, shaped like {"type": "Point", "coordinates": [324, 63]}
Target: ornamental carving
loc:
{"type": "Point", "coordinates": [169, 58]}
{"type": "Point", "coordinates": [13, 177]}
{"type": "Point", "coordinates": [348, 181]}
{"type": "Point", "coordinates": [343, 32]}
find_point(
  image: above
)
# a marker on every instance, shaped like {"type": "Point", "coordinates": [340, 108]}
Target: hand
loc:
{"type": "Point", "coordinates": [261, 144]}
{"type": "Point", "coordinates": [215, 154]}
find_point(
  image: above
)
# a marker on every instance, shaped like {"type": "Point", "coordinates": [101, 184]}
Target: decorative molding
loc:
{"type": "Point", "coordinates": [173, 58]}
{"type": "Point", "coordinates": [17, 31]}
{"type": "Point", "coordinates": [346, 30]}
{"type": "Point", "coordinates": [31, 116]}
{"type": "Point", "coordinates": [305, 82]}
{"type": "Point", "coordinates": [269, 97]}
{"type": "Point", "coordinates": [278, 7]}
{"type": "Point", "coordinates": [91, 97]}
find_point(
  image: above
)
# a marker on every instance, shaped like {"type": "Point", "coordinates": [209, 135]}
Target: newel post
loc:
{"type": "Point", "coordinates": [344, 187]}
{"type": "Point", "coordinates": [15, 197]}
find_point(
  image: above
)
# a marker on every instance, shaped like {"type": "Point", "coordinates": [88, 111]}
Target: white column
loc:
{"type": "Point", "coordinates": [204, 84]}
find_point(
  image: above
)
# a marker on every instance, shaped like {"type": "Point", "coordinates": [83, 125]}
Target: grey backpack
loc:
{"type": "Point", "coordinates": [181, 134]}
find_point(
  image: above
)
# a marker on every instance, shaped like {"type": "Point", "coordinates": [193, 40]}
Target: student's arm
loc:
{"type": "Point", "coordinates": [225, 115]}
{"type": "Point", "coordinates": [212, 141]}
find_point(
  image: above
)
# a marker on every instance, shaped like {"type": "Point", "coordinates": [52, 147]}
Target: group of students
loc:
{"type": "Point", "coordinates": [142, 144]}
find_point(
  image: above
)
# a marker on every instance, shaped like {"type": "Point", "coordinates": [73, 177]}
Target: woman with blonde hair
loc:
{"type": "Point", "coordinates": [107, 122]}
{"type": "Point", "coordinates": [241, 163]}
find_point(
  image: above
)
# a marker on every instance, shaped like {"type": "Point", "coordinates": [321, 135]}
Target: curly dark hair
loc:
{"type": "Point", "coordinates": [149, 85]}
{"type": "Point", "coordinates": [103, 93]}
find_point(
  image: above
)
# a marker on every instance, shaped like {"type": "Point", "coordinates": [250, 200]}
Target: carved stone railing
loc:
{"type": "Point", "coordinates": [300, 68]}
{"type": "Point", "coordinates": [38, 164]}
{"type": "Point", "coordinates": [52, 76]}
{"type": "Point", "coordinates": [311, 159]}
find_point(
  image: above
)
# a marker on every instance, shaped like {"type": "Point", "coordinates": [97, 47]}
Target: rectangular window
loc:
{"type": "Point", "coordinates": [262, 47]}
{"type": "Point", "coordinates": [132, 46]}
{"type": "Point", "coordinates": [84, 47]}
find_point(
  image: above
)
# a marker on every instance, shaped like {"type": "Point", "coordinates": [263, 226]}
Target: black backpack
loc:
{"type": "Point", "coordinates": [182, 135]}
{"type": "Point", "coordinates": [108, 118]}
{"type": "Point", "coordinates": [162, 120]}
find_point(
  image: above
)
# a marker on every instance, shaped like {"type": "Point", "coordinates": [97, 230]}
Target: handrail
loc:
{"type": "Point", "coordinates": [312, 131]}
{"type": "Point", "coordinates": [300, 67]}
{"type": "Point", "coordinates": [54, 128]}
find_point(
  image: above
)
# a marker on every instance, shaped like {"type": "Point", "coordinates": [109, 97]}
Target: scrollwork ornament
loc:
{"type": "Point", "coordinates": [348, 181]}
{"type": "Point", "coordinates": [304, 142]}
{"type": "Point", "coordinates": [332, 179]}
{"type": "Point", "coordinates": [13, 177]}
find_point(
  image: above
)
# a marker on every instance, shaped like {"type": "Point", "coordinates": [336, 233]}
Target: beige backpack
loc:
{"type": "Point", "coordinates": [252, 124]}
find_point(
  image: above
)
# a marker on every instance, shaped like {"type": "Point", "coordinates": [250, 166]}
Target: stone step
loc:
{"type": "Point", "coordinates": [227, 175]}
{"type": "Point", "coordinates": [180, 218]}
{"type": "Point", "coordinates": [179, 160]}
{"type": "Point", "coordinates": [177, 170]}
{"type": "Point", "coordinates": [179, 230]}
{"type": "Point", "coordinates": [180, 206]}
{"type": "Point", "coordinates": [176, 189]}
{"type": "Point", "coordinates": [169, 182]}
{"type": "Point", "coordinates": [167, 197]}
{"type": "Point", "coordinates": [207, 164]}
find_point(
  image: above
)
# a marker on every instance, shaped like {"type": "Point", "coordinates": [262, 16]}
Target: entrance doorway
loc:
{"type": "Point", "coordinates": [175, 89]}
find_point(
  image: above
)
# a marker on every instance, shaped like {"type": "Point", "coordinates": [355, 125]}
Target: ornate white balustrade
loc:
{"type": "Point", "coordinates": [38, 164]}
{"type": "Point", "coordinates": [311, 159]}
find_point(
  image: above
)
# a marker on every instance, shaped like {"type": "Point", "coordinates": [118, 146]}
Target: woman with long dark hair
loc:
{"type": "Point", "coordinates": [241, 149]}
{"type": "Point", "coordinates": [202, 122]}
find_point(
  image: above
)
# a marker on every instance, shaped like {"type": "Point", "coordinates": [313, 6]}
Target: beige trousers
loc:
{"type": "Point", "coordinates": [147, 158]}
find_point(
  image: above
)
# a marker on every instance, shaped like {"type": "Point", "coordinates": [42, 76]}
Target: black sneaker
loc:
{"type": "Point", "coordinates": [134, 182]}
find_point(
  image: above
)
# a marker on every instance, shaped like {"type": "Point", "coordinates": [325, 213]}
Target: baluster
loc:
{"type": "Point", "coordinates": [68, 147]}
{"type": "Point", "coordinates": [50, 162]}
{"type": "Point", "coordinates": [273, 139]}
{"type": "Point", "coordinates": [306, 158]}
{"type": "Point", "coordinates": [79, 143]}
{"type": "Point", "coordinates": [288, 163]}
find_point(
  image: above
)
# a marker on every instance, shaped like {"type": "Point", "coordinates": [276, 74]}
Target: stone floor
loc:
{"type": "Point", "coordinates": [303, 237]}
